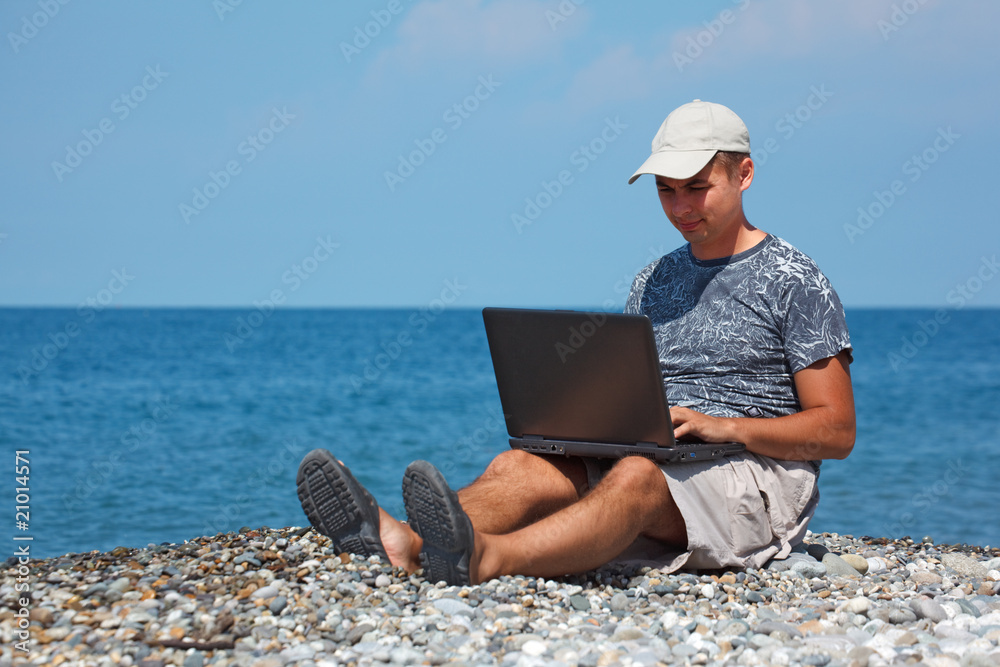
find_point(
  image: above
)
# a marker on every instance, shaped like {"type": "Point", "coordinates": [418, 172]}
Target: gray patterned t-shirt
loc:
{"type": "Point", "coordinates": [731, 332]}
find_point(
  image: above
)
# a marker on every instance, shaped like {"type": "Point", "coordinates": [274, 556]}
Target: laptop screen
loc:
{"type": "Point", "coordinates": [568, 375]}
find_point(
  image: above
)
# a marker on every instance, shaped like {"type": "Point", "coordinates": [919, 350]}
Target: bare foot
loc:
{"type": "Point", "coordinates": [401, 544]}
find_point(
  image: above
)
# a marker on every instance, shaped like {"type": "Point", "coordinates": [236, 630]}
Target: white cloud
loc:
{"type": "Point", "coordinates": [752, 34]}
{"type": "Point", "coordinates": [788, 28]}
{"type": "Point", "coordinates": [499, 33]}
{"type": "Point", "coordinates": [759, 36]}
{"type": "Point", "coordinates": [791, 28]}
{"type": "Point", "coordinates": [618, 74]}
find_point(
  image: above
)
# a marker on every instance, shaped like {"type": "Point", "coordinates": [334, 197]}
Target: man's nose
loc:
{"type": "Point", "coordinates": [681, 204]}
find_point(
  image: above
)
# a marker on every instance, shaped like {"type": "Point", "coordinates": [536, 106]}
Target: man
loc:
{"type": "Point", "coordinates": [754, 348]}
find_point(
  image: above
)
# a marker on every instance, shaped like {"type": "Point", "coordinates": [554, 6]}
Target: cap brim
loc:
{"type": "Point", "coordinates": [674, 164]}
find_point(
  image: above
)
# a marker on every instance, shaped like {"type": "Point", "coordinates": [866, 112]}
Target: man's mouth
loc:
{"type": "Point", "coordinates": [688, 226]}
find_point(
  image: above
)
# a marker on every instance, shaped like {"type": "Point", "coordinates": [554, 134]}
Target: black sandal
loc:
{"type": "Point", "coordinates": [436, 515]}
{"type": "Point", "coordinates": [338, 506]}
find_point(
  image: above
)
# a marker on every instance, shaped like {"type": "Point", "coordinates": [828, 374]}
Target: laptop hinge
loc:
{"type": "Point", "coordinates": [531, 437]}
{"type": "Point", "coordinates": [646, 444]}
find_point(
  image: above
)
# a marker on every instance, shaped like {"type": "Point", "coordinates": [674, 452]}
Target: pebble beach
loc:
{"type": "Point", "coordinates": [268, 598]}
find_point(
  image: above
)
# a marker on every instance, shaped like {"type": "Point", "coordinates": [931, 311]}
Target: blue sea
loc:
{"type": "Point", "coordinates": [149, 426]}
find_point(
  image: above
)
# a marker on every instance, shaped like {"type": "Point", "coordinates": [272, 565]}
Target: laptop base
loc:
{"type": "Point", "coordinates": [679, 453]}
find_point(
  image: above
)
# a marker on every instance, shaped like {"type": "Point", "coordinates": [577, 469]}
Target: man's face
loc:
{"type": "Point", "coordinates": [707, 207]}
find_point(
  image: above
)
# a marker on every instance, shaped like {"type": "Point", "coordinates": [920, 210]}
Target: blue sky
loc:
{"type": "Point", "coordinates": [378, 153]}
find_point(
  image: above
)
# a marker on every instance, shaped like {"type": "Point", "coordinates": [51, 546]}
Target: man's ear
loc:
{"type": "Point", "coordinates": [746, 173]}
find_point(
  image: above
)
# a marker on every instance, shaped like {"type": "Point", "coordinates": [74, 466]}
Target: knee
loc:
{"type": "Point", "coordinates": [519, 464]}
{"type": "Point", "coordinates": [549, 475]}
{"type": "Point", "coordinates": [510, 462]}
{"type": "Point", "coordinates": [638, 474]}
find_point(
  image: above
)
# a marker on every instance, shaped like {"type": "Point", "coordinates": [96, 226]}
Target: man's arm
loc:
{"type": "Point", "coordinates": [824, 429]}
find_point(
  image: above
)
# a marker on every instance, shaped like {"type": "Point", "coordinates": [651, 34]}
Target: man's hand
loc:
{"type": "Point", "coordinates": [692, 424]}
{"type": "Point", "coordinates": [823, 429]}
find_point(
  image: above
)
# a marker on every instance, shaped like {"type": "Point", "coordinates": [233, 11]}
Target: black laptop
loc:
{"type": "Point", "coordinates": [585, 384]}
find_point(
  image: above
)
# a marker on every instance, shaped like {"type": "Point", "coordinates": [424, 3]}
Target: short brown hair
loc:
{"type": "Point", "coordinates": [731, 161]}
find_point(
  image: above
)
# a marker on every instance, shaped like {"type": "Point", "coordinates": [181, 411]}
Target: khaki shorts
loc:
{"type": "Point", "coordinates": [740, 511]}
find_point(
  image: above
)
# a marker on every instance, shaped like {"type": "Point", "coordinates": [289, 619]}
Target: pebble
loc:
{"type": "Point", "coordinates": [901, 616]}
{"type": "Point", "coordinates": [770, 627]}
{"type": "Point", "coordinates": [926, 578]}
{"type": "Point", "coordinates": [534, 647]}
{"type": "Point", "coordinates": [817, 550]}
{"type": "Point", "coordinates": [264, 593]}
{"type": "Point", "coordinates": [246, 558]}
{"type": "Point", "coordinates": [929, 609]}
{"type": "Point", "coordinates": [451, 607]}
{"type": "Point", "coordinates": [297, 652]}
{"type": "Point", "coordinates": [875, 565]}
{"type": "Point", "coordinates": [858, 605]}
{"type": "Point", "coordinates": [627, 634]}
{"type": "Point", "coordinates": [278, 604]}
{"type": "Point", "coordinates": [964, 565]}
{"type": "Point", "coordinates": [276, 598]}
{"type": "Point", "coordinates": [837, 566]}
{"type": "Point", "coordinates": [405, 656]}
{"type": "Point", "coordinates": [810, 568]}
{"type": "Point", "coordinates": [43, 615]}
{"type": "Point", "coordinates": [857, 562]}
{"type": "Point", "coordinates": [968, 608]}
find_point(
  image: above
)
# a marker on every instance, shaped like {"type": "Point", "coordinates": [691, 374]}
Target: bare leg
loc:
{"type": "Point", "coordinates": [401, 544]}
{"type": "Point", "coordinates": [516, 489]}
{"type": "Point", "coordinates": [519, 488]}
{"type": "Point", "coordinates": [632, 500]}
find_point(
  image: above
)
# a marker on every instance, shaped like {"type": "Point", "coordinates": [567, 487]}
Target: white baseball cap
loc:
{"type": "Point", "coordinates": [691, 136]}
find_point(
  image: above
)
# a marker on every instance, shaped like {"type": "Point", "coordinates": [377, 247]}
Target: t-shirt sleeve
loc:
{"type": "Point", "coordinates": [633, 305]}
{"type": "Point", "coordinates": [814, 327]}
